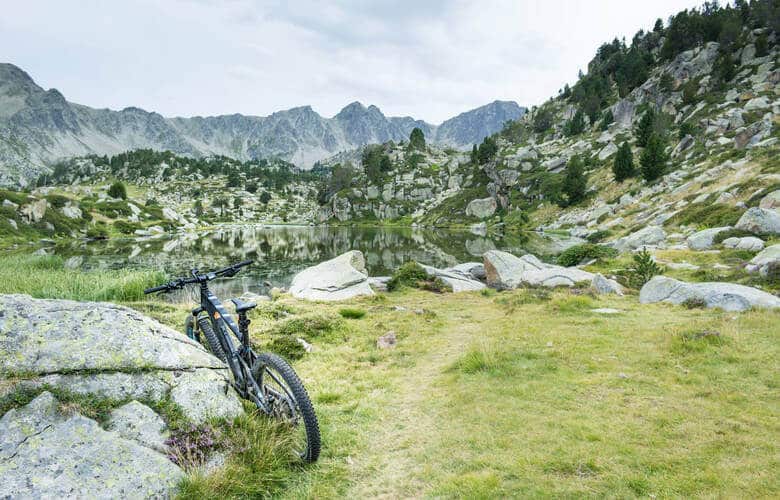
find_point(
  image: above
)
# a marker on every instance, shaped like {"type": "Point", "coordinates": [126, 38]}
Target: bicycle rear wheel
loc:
{"type": "Point", "coordinates": [289, 402]}
{"type": "Point", "coordinates": [212, 342]}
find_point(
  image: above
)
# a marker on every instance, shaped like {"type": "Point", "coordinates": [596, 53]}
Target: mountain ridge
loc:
{"type": "Point", "coordinates": [39, 127]}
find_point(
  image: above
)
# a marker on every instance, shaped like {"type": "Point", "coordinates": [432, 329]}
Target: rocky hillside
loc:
{"type": "Point", "coordinates": [38, 127]}
{"type": "Point", "coordinates": [697, 121]}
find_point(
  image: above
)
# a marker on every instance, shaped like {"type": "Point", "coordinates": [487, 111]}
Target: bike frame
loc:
{"type": "Point", "coordinates": [239, 357]}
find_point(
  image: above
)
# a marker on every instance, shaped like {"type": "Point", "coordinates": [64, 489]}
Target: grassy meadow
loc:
{"type": "Point", "coordinates": [527, 393]}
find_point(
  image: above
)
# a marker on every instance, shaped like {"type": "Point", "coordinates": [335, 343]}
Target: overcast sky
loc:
{"type": "Point", "coordinates": [430, 59]}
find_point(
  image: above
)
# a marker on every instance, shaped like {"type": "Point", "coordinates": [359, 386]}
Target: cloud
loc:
{"type": "Point", "coordinates": [431, 59]}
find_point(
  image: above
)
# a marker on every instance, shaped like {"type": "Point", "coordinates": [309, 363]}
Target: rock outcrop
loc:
{"type": "Point", "coordinates": [727, 296]}
{"type": "Point", "coordinates": [46, 454]}
{"type": "Point", "coordinates": [760, 221]}
{"type": "Point", "coordinates": [341, 278]}
{"type": "Point", "coordinates": [112, 352]}
{"type": "Point", "coordinates": [764, 261]}
{"type": "Point", "coordinates": [649, 236]}
{"type": "Point", "coordinates": [705, 239]}
{"type": "Point", "coordinates": [459, 281]}
{"type": "Point", "coordinates": [504, 271]}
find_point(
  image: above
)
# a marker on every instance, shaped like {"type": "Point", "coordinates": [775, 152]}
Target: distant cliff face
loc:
{"type": "Point", "coordinates": [473, 126]}
{"type": "Point", "coordinates": [38, 127]}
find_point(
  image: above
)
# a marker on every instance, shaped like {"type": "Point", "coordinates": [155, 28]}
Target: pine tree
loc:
{"type": "Point", "coordinates": [623, 168]}
{"type": "Point", "coordinates": [576, 125]}
{"type": "Point", "coordinates": [575, 183]}
{"type": "Point", "coordinates": [417, 139]}
{"type": "Point", "coordinates": [653, 159]}
{"type": "Point", "coordinates": [645, 128]}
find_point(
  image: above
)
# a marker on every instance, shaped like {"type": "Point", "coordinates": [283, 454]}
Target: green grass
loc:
{"type": "Point", "coordinates": [526, 393]}
{"type": "Point", "coordinates": [706, 215]}
{"type": "Point", "coordinates": [352, 313]}
{"type": "Point", "coordinates": [513, 394]}
{"type": "Point", "coordinates": [258, 466]}
{"type": "Point", "coordinates": [46, 277]}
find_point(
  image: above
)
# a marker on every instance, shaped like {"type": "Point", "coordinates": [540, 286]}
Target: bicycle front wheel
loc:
{"type": "Point", "coordinates": [289, 402]}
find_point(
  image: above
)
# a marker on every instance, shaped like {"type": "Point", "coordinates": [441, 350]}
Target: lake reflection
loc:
{"type": "Point", "coordinates": [282, 251]}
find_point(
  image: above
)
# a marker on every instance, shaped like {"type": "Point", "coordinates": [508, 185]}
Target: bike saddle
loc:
{"type": "Point", "coordinates": [242, 306]}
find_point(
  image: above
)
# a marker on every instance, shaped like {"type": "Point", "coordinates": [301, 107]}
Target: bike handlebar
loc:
{"type": "Point", "coordinates": [198, 278]}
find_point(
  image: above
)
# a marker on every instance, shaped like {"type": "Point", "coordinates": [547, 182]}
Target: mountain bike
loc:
{"type": "Point", "coordinates": [265, 379]}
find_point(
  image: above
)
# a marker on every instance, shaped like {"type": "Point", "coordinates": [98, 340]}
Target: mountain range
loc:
{"type": "Point", "coordinates": [39, 127]}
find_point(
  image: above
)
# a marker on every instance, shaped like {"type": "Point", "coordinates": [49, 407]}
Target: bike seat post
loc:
{"type": "Point", "coordinates": [243, 327]}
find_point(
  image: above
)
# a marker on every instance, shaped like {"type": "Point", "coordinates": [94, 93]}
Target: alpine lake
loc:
{"type": "Point", "coordinates": [281, 251]}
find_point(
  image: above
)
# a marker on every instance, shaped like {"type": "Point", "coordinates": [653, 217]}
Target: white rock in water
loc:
{"type": "Point", "coordinates": [341, 278]}
{"type": "Point", "coordinates": [727, 296]}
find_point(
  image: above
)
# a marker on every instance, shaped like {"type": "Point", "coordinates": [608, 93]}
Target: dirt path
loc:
{"type": "Point", "coordinates": [394, 465]}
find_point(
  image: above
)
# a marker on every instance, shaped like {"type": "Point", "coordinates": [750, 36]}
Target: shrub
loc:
{"type": "Point", "coordinates": [686, 128]}
{"type": "Point", "coordinates": [409, 274]}
{"type": "Point", "coordinates": [644, 269]}
{"type": "Point", "coordinates": [190, 447]}
{"type": "Point", "coordinates": [97, 232]}
{"type": "Point", "coordinates": [578, 253]}
{"type": "Point", "coordinates": [576, 125]}
{"type": "Point", "coordinates": [351, 313]}
{"type": "Point", "coordinates": [57, 200]}
{"type": "Point", "coordinates": [694, 303]}
{"type": "Point", "coordinates": [125, 227]}
{"type": "Point", "coordinates": [689, 90]}
{"type": "Point", "coordinates": [598, 236]}
{"type": "Point", "coordinates": [287, 346]}
{"type": "Point", "coordinates": [437, 285]}
{"type": "Point", "coordinates": [307, 326]}
{"type": "Point", "coordinates": [118, 190]}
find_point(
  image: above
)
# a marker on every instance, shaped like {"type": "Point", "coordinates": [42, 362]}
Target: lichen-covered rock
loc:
{"type": "Point", "coordinates": [44, 454]}
{"type": "Point", "coordinates": [603, 285]}
{"type": "Point", "coordinates": [111, 352]}
{"type": "Point", "coordinates": [341, 278]}
{"type": "Point", "coordinates": [53, 336]}
{"type": "Point", "coordinates": [504, 271]}
{"type": "Point", "coordinates": [203, 394]}
{"type": "Point", "coordinates": [770, 201]}
{"type": "Point", "coordinates": [457, 280]}
{"type": "Point", "coordinates": [727, 296]}
{"type": "Point", "coordinates": [481, 208]}
{"type": "Point", "coordinates": [762, 261]}
{"type": "Point", "coordinates": [760, 221]}
{"type": "Point", "coordinates": [705, 239]}
{"type": "Point", "coordinates": [750, 243]}
{"type": "Point", "coordinates": [138, 422]}
{"type": "Point", "coordinates": [555, 276]}
{"type": "Point", "coordinates": [651, 235]}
